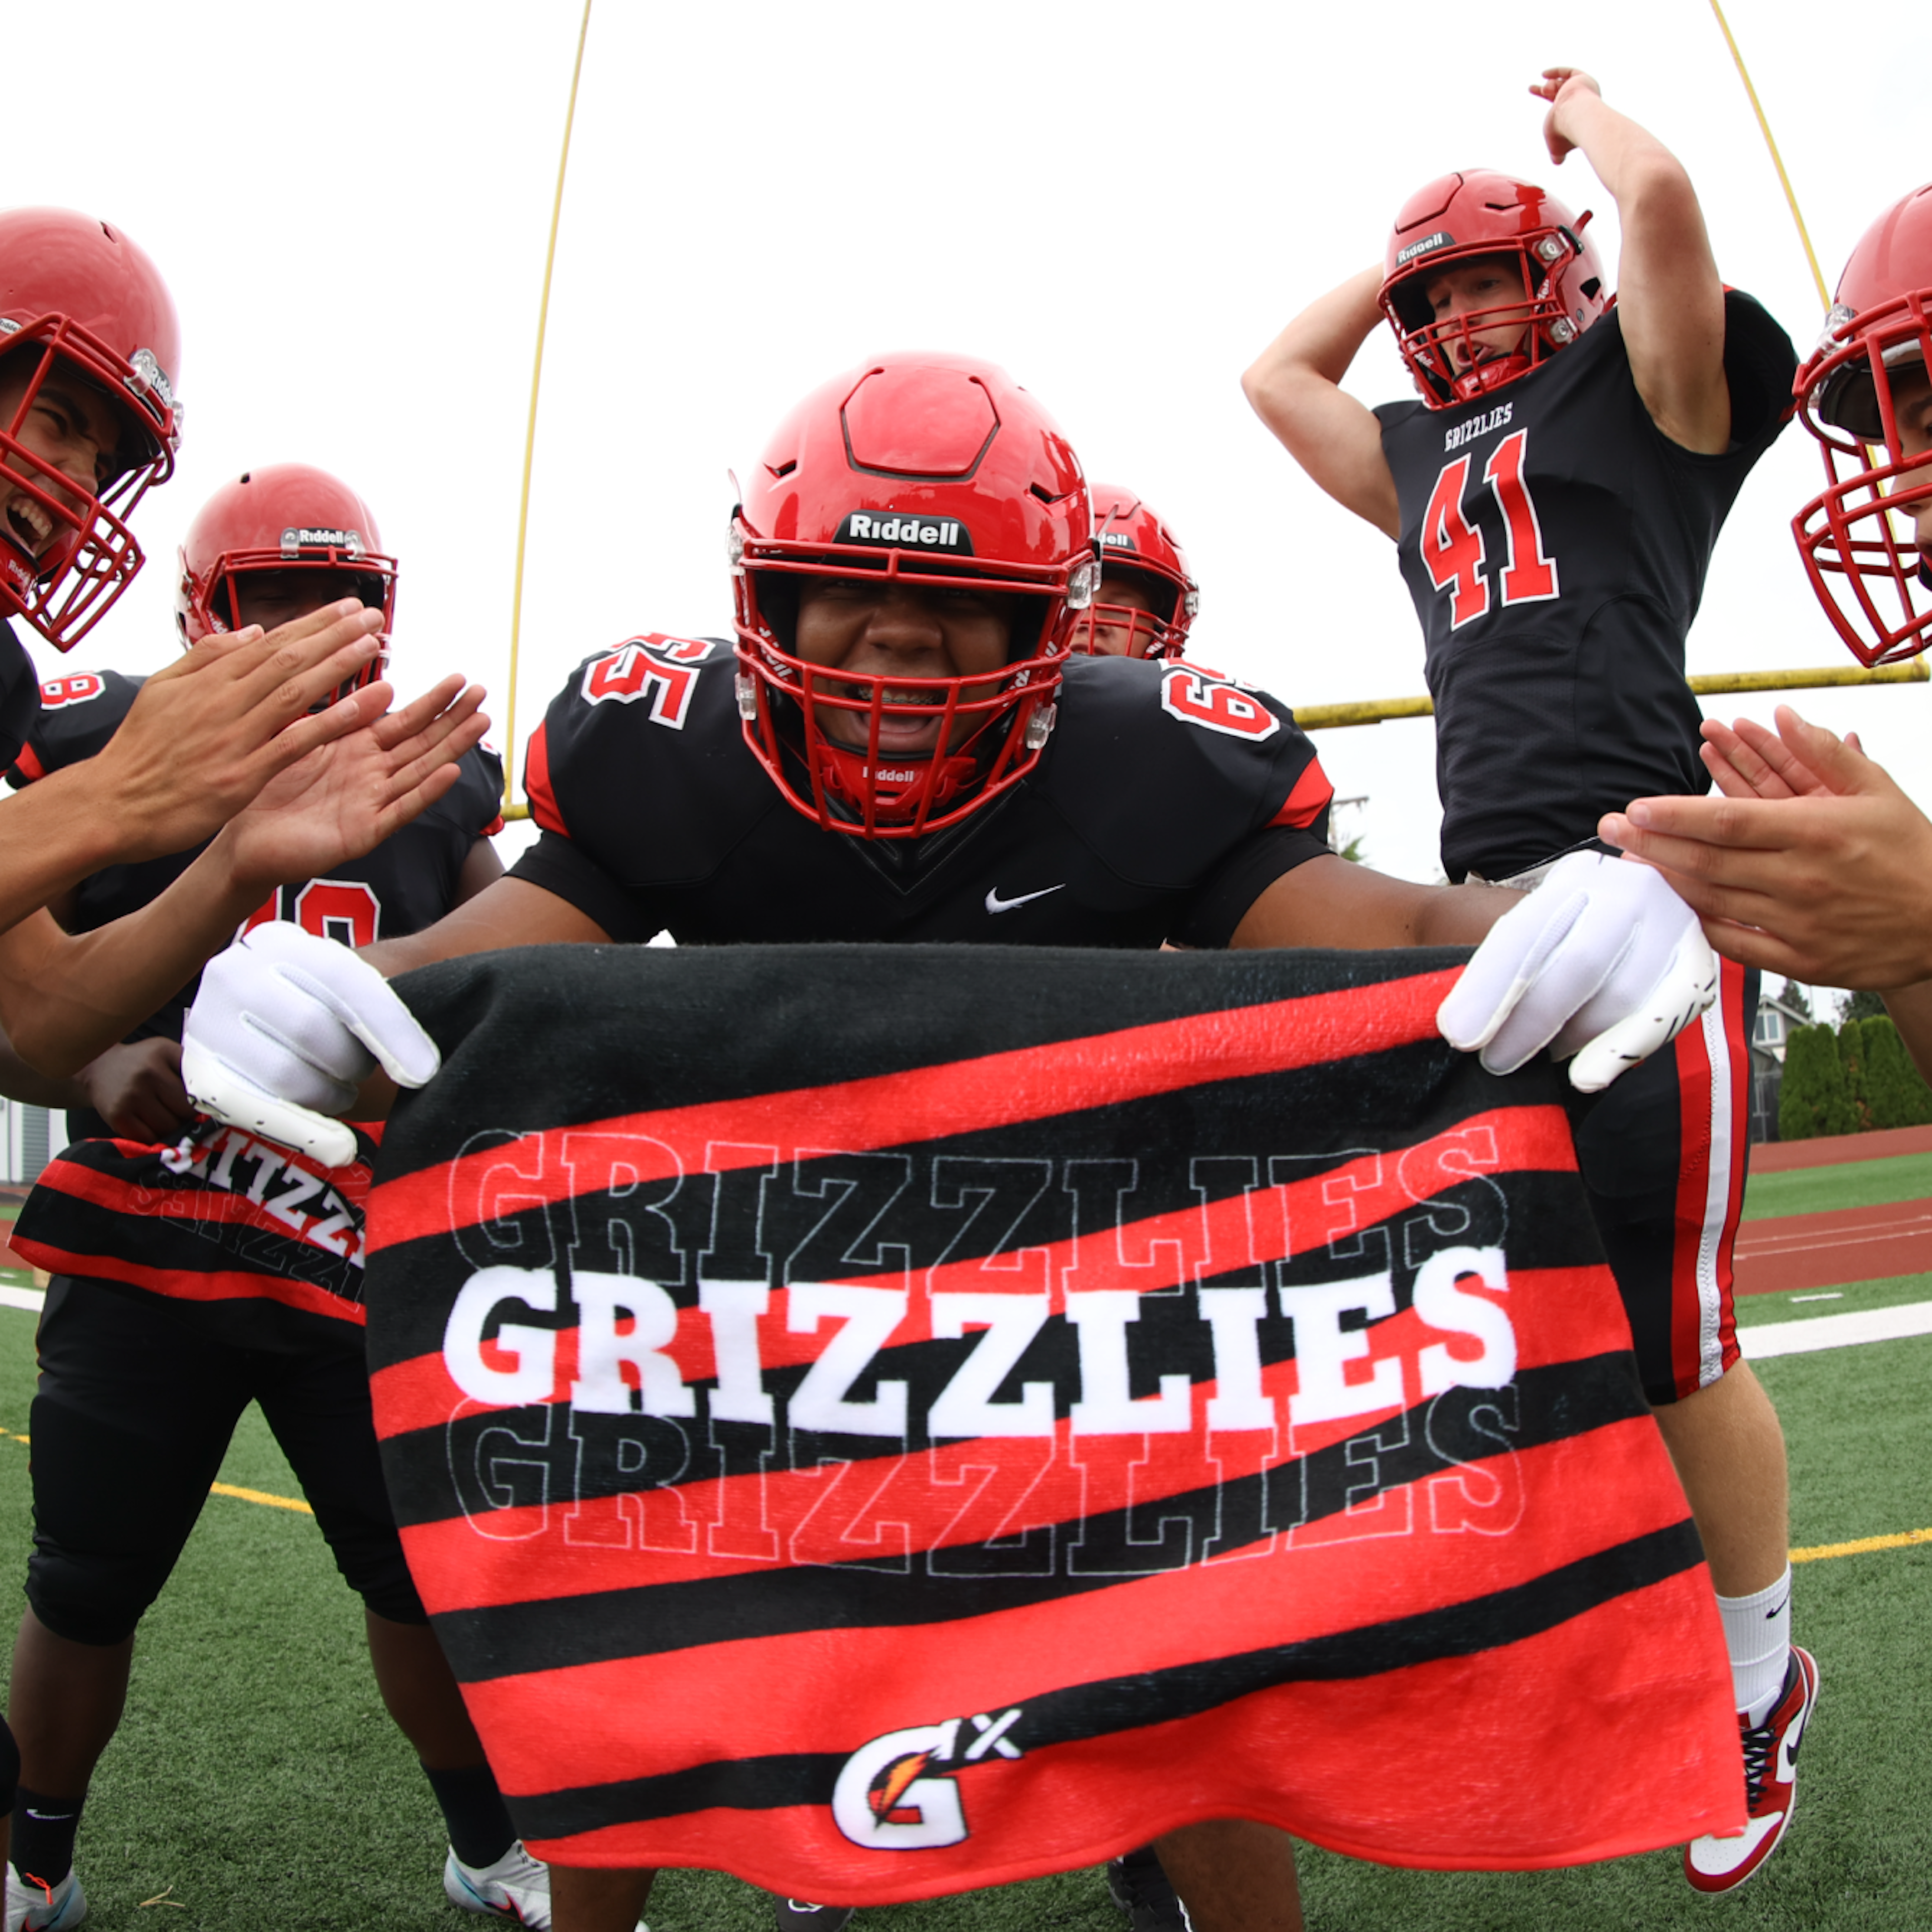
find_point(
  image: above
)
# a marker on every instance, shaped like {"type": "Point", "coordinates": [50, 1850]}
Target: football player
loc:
{"type": "Point", "coordinates": [910, 561]}
{"type": "Point", "coordinates": [89, 422]}
{"type": "Point", "coordinates": [1827, 879]}
{"type": "Point", "coordinates": [1554, 496]}
{"type": "Point", "coordinates": [1148, 599]}
{"type": "Point", "coordinates": [190, 1280]}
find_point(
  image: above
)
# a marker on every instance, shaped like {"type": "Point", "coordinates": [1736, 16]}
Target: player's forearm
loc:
{"type": "Point", "coordinates": [508, 912]}
{"type": "Point", "coordinates": [53, 835]}
{"type": "Point", "coordinates": [1321, 341]}
{"type": "Point", "coordinates": [1461, 915]}
{"type": "Point", "coordinates": [1911, 1010]}
{"type": "Point", "coordinates": [1295, 389]}
{"type": "Point", "coordinates": [65, 998]}
{"type": "Point", "coordinates": [1329, 902]}
{"type": "Point", "coordinates": [1630, 161]}
{"type": "Point", "coordinates": [19, 1081]}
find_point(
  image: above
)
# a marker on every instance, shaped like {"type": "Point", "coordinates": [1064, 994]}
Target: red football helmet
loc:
{"type": "Point", "coordinates": [1480, 212]}
{"type": "Point", "coordinates": [1864, 548]}
{"type": "Point", "coordinates": [287, 517]}
{"type": "Point", "coordinates": [929, 470]}
{"type": "Point", "coordinates": [1135, 543]}
{"type": "Point", "coordinates": [76, 293]}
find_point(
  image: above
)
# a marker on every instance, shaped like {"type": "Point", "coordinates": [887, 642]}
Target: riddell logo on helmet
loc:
{"type": "Point", "coordinates": [306, 537]}
{"type": "Point", "coordinates": [906, 533]}
{"type": "Point", "coordinates": [1116, 540]}
{"type": "Point", "coordinates": [1442, 238]}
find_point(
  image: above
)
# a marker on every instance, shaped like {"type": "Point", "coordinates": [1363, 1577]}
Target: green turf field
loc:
{"type": "Point", "coordinates": [1857, 1183]}
{"type": "Point", "coordinates": [257, 1783]}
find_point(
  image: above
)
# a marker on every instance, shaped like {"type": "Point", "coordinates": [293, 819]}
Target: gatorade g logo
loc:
{"type": "Point", "coordinates": [888, 1798]}
{"type": "Point", "coordinates": [946, 535]}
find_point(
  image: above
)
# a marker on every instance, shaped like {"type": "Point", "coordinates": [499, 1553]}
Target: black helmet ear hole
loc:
{"type": "Point", "coordinates": [1850, 403]}
{"type": "Point", "coordinates": [778, 605]}
{"type": "Point", "coordinates": [1411, 304]}
{"type": "Point", "coordinates": [1027, 636]}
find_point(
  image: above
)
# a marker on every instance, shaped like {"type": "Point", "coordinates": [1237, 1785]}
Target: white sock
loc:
{"type": "Point", "coordinates": [1757, 1633]}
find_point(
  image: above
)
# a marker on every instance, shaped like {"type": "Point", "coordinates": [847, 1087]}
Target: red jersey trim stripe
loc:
{"type": "Point", "coordinates": [1312, 795]}
{"type": "Point", "coordinates": [537, 785]}
{"type": "Point", "coordinates": [233, 1285]}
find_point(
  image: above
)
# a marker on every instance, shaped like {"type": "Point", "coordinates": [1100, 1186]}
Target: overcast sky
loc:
{"type": "Point", "coordinates": [1120, 204]}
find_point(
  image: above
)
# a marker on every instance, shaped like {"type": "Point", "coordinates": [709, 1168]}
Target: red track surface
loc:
{"type": "Point", "coordinates": [1781, 1157]}
{"type": "Point", "coordinates": [1826, 1250]}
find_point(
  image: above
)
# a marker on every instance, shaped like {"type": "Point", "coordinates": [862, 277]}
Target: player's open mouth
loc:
{"type": "Point", "coordinates": [898, 731]}
{"type": "Point", "coordinates": [28, 525]}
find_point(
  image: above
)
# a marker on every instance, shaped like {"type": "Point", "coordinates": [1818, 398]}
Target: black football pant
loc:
{"type": "Point", "coordinates": [136, 1405]}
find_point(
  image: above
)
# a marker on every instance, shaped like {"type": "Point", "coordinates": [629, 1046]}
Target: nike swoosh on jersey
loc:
{"type": "Point", "coordinates": [995, 904]}
{"type": "Point", "coordinates": [52, 1817]}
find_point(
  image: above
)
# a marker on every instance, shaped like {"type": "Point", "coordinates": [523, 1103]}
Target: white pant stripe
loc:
{"type": "Point", "coordinates": [1717, 1196]}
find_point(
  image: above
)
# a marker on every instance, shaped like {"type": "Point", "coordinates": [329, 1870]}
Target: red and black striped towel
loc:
{"type": "Point", "coordinates": [886, 1420]}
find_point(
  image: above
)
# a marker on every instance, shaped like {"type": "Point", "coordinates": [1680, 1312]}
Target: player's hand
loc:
{"type": "Point", "coordinates": [206, 734]}
{"type": "Point", "coordinates": [345, 798]}
{"type": "Point", "coordinates": [1746, 761]}
{"type": "Point", "coordinates": [137, 1089]}
{"type": "Point", "coordinates": [1558, 85]}
{"type": "Point", "coordinates": [1603, 961]}
{"type": "Point", "coordinates": [286, 1027]}
{"type": "Point", "coordinates": [1831, 884]}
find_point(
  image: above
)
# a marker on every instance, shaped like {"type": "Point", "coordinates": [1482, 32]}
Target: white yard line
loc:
{"type": "Point", "coordinates": [1836, 1331]}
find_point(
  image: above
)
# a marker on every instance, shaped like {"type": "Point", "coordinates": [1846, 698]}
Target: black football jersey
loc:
{"type": "Point", "coordinates": [19, 694]}
{"type": "Point", "coordinates": [1556, 542]}
{"type": "Point", "coordinates": [1166, 801]}
{"type": "Point", "coordinates": [261, 1241]}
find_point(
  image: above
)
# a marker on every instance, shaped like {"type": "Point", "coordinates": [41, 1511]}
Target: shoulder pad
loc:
{"type": "Point", "coordinates": [79, 712]}
{"type": "Point", "coordinates": [1164, 768]}
{"type": "Point", "coordinates": [641, 761]}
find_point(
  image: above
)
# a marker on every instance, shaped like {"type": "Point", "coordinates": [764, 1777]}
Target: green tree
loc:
{"type": "Point", "coordinates": [1851, 1043]}
{"type": "Point", "coordinates": [1864, 1006]}
{"type": "Point", "coordinates": [1896, 1095]}
{"type": "Point", "coordinates": [1812, 1100]}
{"type": "Point", "coordinates": [1798, 998]}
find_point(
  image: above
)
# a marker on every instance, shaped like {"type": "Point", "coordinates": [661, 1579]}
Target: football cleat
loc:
{"type": "Point", "coordinates": [1138, 1886]}
{"type": "Point", "coordinates": [799, 1914]}
{"type": "Point", "coordinates": [1713, 1864]}
{"type": "Point", "coordinates": [516, 1889]}
{"type": "Point", "coordinates": [32, 1907]}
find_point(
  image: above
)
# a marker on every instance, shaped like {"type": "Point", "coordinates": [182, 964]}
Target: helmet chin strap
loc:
{"type": "Point", "coordinates": [898, 789]}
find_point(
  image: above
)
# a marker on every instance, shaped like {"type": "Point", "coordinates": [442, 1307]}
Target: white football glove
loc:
{"type": "Point", "coordinates": [1603, 960]}
{"type": "Point", "coordinates": [285, 1028]}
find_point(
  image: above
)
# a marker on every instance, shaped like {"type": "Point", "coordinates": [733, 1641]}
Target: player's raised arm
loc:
{"type": "Point", "coordinates": [65, 998]}
{"type": "Point", "coordinates": [1669, 291]}
{"type": "Point", "coordinates": [1295, 387]}
{"type": "Point", "coordinates": [203, 738]}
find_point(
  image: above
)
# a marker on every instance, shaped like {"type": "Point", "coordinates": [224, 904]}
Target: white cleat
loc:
{"type": "Point", "coordinates": [515, 1889]}
{"type": "Point", "coordinates": [34, 1908]}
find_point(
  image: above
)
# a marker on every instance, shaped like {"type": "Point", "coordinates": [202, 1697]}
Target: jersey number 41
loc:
{"type": "Point", "coordinates": [1452, 546]}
